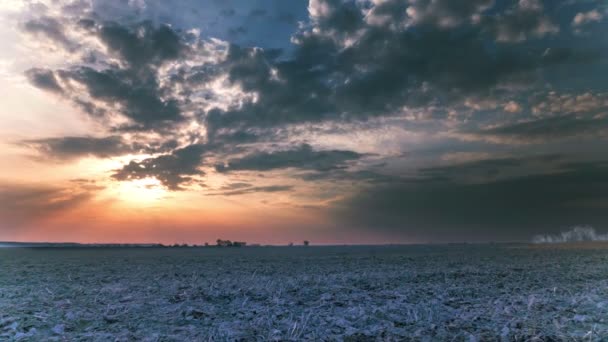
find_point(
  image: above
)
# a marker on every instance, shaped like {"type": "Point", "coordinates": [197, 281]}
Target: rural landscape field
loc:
{"type": "Point", "coordinates": [380, 170]}
{"type": "Point", "coordinates": [461, 292]}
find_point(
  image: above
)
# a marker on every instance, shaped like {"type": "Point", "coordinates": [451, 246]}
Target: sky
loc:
{"type": "Point", "coordinates": [270, 121]}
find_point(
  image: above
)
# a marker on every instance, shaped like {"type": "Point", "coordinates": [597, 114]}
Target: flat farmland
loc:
{"type": "Point", "coordinates": [351, 293]}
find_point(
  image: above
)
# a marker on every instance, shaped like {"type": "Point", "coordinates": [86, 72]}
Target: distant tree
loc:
{"type": "Point", "coordinates": [290, 244]}
{"type": "Point", "coordinates": [206, 244]}
{"type": "Point", "coordinates": [224, 243]}
{"type": "Point", "coordinates": [306, 242]}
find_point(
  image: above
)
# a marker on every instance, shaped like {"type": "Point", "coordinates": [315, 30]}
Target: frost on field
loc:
{"type": "Point", "coordinates": [576, 234]}
{"type": "Point", "coordinates": [427, 293]}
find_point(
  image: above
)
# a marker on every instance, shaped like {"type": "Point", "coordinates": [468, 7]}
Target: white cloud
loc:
{"type": "Point", "coordinates": [583, 18]}
{"type": "Point", "coordinates": [512, 107]}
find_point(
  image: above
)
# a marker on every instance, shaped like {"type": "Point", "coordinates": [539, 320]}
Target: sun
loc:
{"type": "Point", "coordinates": [142, 191]}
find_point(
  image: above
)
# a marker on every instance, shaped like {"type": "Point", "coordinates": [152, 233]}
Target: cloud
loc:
{"type": "Point", "coordinates": [583, 18]}
{"type": "Point", "coordinates": [132, 86]}
{"type": "Point", "coordinates": [524, 21]}
{"type": "Point", "coordinates": [143, 44]}
{"type": "Point", "coordinates": [512, 107]}
{"type": "Point", "coordinates": [51, 29]}
{"type": "Point", "coordinates": [303, 157]}
{"type": "Point", "coordinates": [544, 129]}
{"type": "Point", "coordinates": [445, 13]}
{"type": "Point", "coordinates": [512, 208]}
{"type": "Point", "coordinates": [554, 103]}
{"type": "Point", "coordinates": [75, 147]}
{"type": "Point", "coordinates": [344, 65]}
{"type": "Point", "coordinates": [139, 97]}
{"type": "Point", "coordinates": [44, 79]}
{"type": "Point", "coordinates": [173, 170]}
{"type": "Point", "coordinates": [480, 170]}
{"type": "Point", "coordinates": [255, 189]}
{"type": "Point", "coordinates": [576, 234]}
{"type": "Point", "coordinates": [438, 67]}
{"type": "Point", "coordinates": [23, 203]}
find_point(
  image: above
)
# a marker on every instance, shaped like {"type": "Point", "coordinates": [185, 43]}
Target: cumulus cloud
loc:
{"type": "Point", "coordinates": [173, 170]}
{"type": "Point", "coordinates": [445, 13]}
{"type": "Point", "coordinates": [523, 21]}
{"type": "Point", "coordinates": [461, 63]}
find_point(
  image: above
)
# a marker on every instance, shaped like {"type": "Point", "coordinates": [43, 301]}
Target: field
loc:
{"type": "Point", "coordinates": [454, 292]}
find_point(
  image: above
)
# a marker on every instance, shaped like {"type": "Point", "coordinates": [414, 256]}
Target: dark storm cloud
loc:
{"type": "Point", "coordinates": [74, 147]}
{"type": "Point", "coordinates": [304, 157]}
{"type": "Point", "coordinates": [512, 208]}
{"type": "Point", "coordinates": [172, 170]}
{"type": "Point", "coordinates": [44, 79]}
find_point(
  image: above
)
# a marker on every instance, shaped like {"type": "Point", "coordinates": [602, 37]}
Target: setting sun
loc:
{"type": "Point", "coordinates": [140, 191]}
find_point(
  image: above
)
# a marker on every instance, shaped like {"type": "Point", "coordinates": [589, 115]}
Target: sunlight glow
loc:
{"type": "Point", "coordinates": [140, 191]}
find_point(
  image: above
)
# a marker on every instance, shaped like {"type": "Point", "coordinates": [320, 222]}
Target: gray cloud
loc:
{"type": "Point", "coordinates": [73, 147]}
{"type": "Point", "coordinates": [352, 62]}
{"type": "Point", "coordinates": [23, 204]}
{"type": "Point", "coordinates": [545, 129]}
{"type": "Point", "coordinates": [345, 67]}
{"type": "Point", "coordinates": [512, 208]}
{"type": "Point", "coordinates": [142, 48]}
{"type": "Point", "coordinates": [44, 79]}
{"type": "Point", "coordinates": [142, 44]}
{"type": "Point", "coordinates": [51, 28]}
{"type": "Point", "coordinates": [172, 170]}
{"type": "Point", "coordinates": [303, 157]}
{"type": "Point", "coordinates": [255, 189]}
{"type": "Point", "coordinates": [139, 94]}
{"type": "Point", "coordinates": [439, 13]}
{"type": "Point", "coordinates": [523, 21]}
